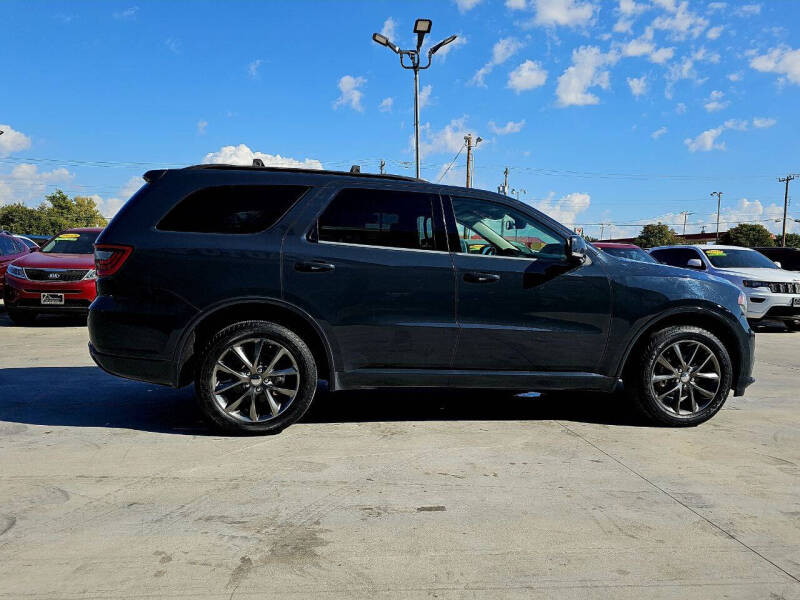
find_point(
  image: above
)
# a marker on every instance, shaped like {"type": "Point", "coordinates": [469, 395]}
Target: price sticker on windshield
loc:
{"type": "Point", "coordinates": [715, 253]}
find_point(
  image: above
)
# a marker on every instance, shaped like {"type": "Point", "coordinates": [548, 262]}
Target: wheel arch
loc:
{"type": "Point", "coordinates": [712, 320]}
{"type": "Point", "coordinates": [212, 320]}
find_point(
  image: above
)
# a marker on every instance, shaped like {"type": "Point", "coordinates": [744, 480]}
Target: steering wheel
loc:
{"type": "Point", "coordinates": [489, 250]}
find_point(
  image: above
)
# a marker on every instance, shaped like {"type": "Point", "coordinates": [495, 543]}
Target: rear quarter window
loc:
{"type": "Point", "coordinates": [232, 209]}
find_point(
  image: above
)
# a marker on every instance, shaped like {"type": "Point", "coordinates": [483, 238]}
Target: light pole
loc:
{"type": "Point", "coordinates": [517, 192]}
{"type": "Point", "coordinates": [719, 203]}
{"type": "Point", "coordinates": [422, 27]}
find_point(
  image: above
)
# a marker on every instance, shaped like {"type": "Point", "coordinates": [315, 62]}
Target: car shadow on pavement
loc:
{"type": "Point", "coordinates": [88, 397]}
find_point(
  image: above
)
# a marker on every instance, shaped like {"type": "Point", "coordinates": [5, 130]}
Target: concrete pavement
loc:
{"type": "Point", "coordinates": [115, 489]}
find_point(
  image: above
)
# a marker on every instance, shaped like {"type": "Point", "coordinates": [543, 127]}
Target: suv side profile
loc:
{"type": "Point", "coordinates": [255, 283]}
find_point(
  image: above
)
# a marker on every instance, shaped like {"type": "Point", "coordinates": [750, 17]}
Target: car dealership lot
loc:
{"type": "Point", "coordinates": [112, 488]}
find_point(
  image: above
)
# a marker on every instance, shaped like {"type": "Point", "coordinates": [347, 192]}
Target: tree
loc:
{"type": "Point", "coordinates": [749, 235]}
{"type": "Point", "coordinates": [658, 234]}
{"type": "Point", "coordinates": [56, 213]}
{"type": "Point", "coordinates": [793, 240]}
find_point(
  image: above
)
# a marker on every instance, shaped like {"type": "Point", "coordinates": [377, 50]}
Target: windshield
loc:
{"type": "Point", "coordinates": [738, 259]}
{"type": "Point", "coordinates": [630, 254]}
{"type": "Point", "coordinates": [71, 243]}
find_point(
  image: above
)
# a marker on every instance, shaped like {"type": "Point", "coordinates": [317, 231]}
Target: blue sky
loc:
{"type": "Point", "coordinates": [617, 112]}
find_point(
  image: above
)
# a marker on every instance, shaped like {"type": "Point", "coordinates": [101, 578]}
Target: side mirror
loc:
{"type": "Point", "coordinates": [576, 248]}
{"type": "Point", "coordinates": [695, 263]}
{"type": "Point", "coordinates": [778, 264]}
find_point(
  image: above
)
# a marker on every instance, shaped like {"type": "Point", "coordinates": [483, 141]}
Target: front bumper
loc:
{"type": "Point", "coordinates": [26, 294]}
{"type": "Point", "coordinates": [762, 305]}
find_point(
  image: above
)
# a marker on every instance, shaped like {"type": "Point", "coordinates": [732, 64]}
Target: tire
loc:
{"type": "Point", "coordinates": [706, 388]}
{"type": "Point", "coordinates": [793, 325]}
{"type": "Point", "coordinates": [295, 371]}
{"type": "Point", "coordinates": [21, 318]}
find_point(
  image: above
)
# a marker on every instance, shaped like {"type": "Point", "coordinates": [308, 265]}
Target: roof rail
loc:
{"type": "Point", "coordinates": [227, 167]}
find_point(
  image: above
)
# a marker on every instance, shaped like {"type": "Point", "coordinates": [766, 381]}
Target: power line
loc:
{"type": "Point", "coordinates": [452, 162]}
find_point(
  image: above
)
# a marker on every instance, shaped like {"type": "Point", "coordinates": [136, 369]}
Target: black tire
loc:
{"type": "Point", "coordinates": [21, 318]}
{"type": "Point", "coordinates": [642, 390]}
{"type": "Point", "coordinates": [793, 325]}
{"type": "Point", "coordinates": [272, 333]}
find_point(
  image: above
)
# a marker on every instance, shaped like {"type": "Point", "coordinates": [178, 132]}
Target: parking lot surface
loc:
{"type": "Point", "coordinates": [116, 489]}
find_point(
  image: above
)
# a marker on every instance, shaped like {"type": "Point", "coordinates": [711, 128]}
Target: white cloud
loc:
{"type": "Point", "coordinates": [735, 77]}
{"type": "Point", "coordinates": [630, 7]}
{"type": "Point", "coordinates": [252, 68]}
{"type": "Point", "coordinates": [510, 127]}
{"type": "Point", "coordinates": [737, 124]}
{"type": "Point", "coordinates": [173, 45]}
{"type": "Point", "coordinates": [501, 52]}
{"type": "Point", "coordinates": [638, 85]}
{"type": "Point", "coordinates": [465, 5]}
{"type": "Point", "coordinates": [108, 207]}
{"type": "Point", "coordinates": [128, 13]}
{"type": "Point", "coordinates": [681, 21]}
{"type": "Point", "coordinates": [527, 76]}
{"type": "Point", "coordinates": [637, 47]}
{"type": "Point", "coordinates": [566, 209]}
{"type": "Point", "coordinates": [26, 184]}
{"type": "Point", "coordinates": [586, 72]}
{"type": "Point", "coordinates": [706, 141]}
{"type": "Point", "coordinates": [12, 140]}
{"type": "Point", "coordinates": [662, 55]}
{"type": "Point", "coordinates": [350, 94]}
{"type": "Point", "coordinates": [623, 25]}
{"type": "Point", "coordinates": [456, 43]}
{"type": "Point", "coordinates": [658, 133]}
{"type": "Point", "coordinates": [685, 68]}
{"type": "Point", "coordinates": [748, 10]}
{"type": "Point", "coordinates": [782, 60]}
{"type": "Point", "coordinates": [763, 122]}
{"type": "Point", "coordinates": [388, 28]}
{"type": "Point", "coordinates": [386, 105]}
{"type": "Point", "coordinates": [242, 155]}
{"type": "Point", "coordinates": [680, 108]}
{"type": "Point", "coordinates": [715, 32]}
{"type": "Point", "coordinates": [570, 13]}
{"type": "Point", "coordinates": [449, 139]}
{"type": "Point", "coordinates": [716, 6]}
{"type": "Point", "coordinates": [715, 102]}
{"type": "Point", "coordinates": [515, 4]}
{"type": "Point", "coordinates": [425, 96]}
{"type": "Point", "coordinates": [201, 127]}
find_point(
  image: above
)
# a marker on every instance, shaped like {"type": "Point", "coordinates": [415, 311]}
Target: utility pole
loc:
{"type": "Point", "coordinates": [505, 182]}
{"type": "Point", "coordinates": [383, 164]}
{"type": "Point", "coordinates": [685, 214]}
{"type": "Point", "coordinates": [470, 158]}
{"type": "Point", "coordinates": [719, 203]}
{"type": "Point", "coordinates": [786, 180]}
{"type": "Point", "coordinates": [602, 229]}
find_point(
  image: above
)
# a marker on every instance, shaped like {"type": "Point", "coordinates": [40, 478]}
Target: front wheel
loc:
{"type": "Point", "coordinates": [793, 325]}
{"type": "Point", "coordinates": [255, 377]}
{"type": "Point", "coordinates": [683, 376]}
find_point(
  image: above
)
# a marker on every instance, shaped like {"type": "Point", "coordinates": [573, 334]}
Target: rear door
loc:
{"type": "Point", "coordinates": [521, 305]}
{"type": "Point", "coordinates": [370, 264]}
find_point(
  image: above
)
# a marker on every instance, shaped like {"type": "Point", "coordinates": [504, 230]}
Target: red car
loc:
{"type": "Point", "coordinates": [11, 248]}
{"type": "Point", "coordinates": [59, 278]}
{"type": "Point", "coordinates": [627, 251]}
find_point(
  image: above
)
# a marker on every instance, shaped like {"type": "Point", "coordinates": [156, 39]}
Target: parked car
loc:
{"type": "Point", "coordinates": [28, 242]}
{"type": "Point", "coordinates": [59, 278]}
{"type": "Point", "coordinates": [10, 250]}
{"type": "Point", "coordinates": [256, 282]}
{"type": "Point", "coordinates": [771, 291]}
{"type": "Point", "coordinates": [789, 258]}
{"type": "Point", "coordinates": [626, 251]}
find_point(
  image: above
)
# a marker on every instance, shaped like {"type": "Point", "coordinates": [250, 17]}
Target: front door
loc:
{"type": "Point", "coordinates": [372, 268]}
{"type": "Point", "coordinates": [521, 305]}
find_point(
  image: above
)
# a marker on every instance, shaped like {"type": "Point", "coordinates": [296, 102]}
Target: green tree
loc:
{"type": "Point", "coordinates": [749, 235]}
{"type": "Point", "coordinates": [657, 234]}
{"type": "Point", "coordinates": [21, 219]}
{"type": "Point", "coordinates": [793, 240]}
{"type": "Point", "coordinates": [56, 213]}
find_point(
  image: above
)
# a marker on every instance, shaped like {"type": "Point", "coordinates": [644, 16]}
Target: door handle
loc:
{"type": "Point", "coordinates": [474, 277]}
{"type": "Point", "coordinates": [313, 267]}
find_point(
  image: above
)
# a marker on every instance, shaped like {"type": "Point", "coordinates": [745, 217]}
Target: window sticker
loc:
{"type": "Point", "coordinates": [715, 253]}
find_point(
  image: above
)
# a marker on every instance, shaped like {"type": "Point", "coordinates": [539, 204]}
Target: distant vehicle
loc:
{"type": "Point", "coordinates": [772, 292]}
{"type": "Point", "coordinates": [626, 251]}
{"type": "Point", "coordinates": [255, 282]}
{"type": "Point", "coordinates": [28, 242]}
{"type": "Point", "coordinates": [11, 249]}
{"type": "Point", "coordinates": [789, 258]}
{"type": "Point", "coordinates": [59, 278]}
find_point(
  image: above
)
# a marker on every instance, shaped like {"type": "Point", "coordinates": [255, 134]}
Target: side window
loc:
{"type": "Point", "coordinates": [677, 257]}
{"type": "Point", "coordinates": [7, 246]}
{"type": "Point", "coordinates": [394, 219]}
{"type": "Point", "coordinates": [21, 247]}
{"type": "Point", "coordinates": [490, 229]}
{"type": "Point", "coordinates": [232, 209]}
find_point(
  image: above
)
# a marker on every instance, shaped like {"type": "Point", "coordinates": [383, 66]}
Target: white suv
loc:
{"type": "Point", "coordinates": [771, 292]}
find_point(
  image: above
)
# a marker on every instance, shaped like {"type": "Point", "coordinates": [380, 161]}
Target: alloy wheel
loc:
{"type": "Point", "coordinates": [685, 377]}
{"type": "Point", "coordinates": [255, 380]}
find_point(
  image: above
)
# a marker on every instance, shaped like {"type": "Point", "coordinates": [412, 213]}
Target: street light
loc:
{"type": "Point", "coordinates": [422, 27]}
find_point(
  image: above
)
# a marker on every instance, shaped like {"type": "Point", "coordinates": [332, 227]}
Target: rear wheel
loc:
{"type": "Point", "coordinates": [21, 318]}
{"type": "Point", "coordinates": [255, 377]}
{"type": "Point", "coordinates": [683, 376]}
{"type": "Point", "coordinates": [793, 325]}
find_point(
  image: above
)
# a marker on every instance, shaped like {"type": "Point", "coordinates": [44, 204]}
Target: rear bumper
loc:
{"type": "Point", "coordinates": [139, 369]}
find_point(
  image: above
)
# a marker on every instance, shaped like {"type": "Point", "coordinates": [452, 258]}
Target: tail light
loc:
{"type": "Point", "coordinates": [108, 258]}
